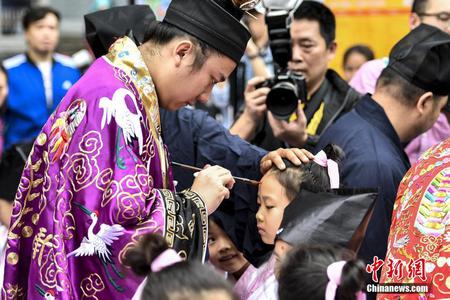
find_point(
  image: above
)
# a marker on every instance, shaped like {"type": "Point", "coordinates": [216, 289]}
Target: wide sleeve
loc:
{"type": "Point", "coordinates": [186, 223]}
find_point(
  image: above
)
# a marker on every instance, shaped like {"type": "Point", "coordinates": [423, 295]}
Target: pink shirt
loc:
{"type": "Point", "coordinates": [257, 283]}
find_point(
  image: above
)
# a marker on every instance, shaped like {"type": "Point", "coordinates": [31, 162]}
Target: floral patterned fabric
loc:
{"type": "Point", "coordinates": [96, 179]}
{"type": "Point", "coordinates": [420, 229]}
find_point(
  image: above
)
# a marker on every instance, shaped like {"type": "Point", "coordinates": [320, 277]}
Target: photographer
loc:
{"type": "Point", "coordinates": [328, 96]}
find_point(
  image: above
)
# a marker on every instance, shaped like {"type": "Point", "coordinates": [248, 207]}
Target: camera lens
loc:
{"type": "Point", "coordinates": [282, 100]}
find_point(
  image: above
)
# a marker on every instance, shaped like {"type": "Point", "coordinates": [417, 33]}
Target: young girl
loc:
{"type": "Point", "coordinates": [223, 253]}
{"type": "Point", "coordinates": [169, 277]}
{"type": "Point", "coordinates": [277, 189]}
{"type": "Point", "coordinates": [321, 272]}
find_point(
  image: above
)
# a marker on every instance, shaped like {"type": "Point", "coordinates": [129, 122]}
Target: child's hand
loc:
{"type": "Point", "coordinates": [212, 184]}
{"type": "Point", "coordinates": [295, 155]}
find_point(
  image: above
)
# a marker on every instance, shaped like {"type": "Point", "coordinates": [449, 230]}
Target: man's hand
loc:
{"type": "Point", "coordinates": [213, 184]}
{"type": "Point", "coordinates": [255, 100]}
{"type": "Point", "coordinates": [294, 132]}
{"type": "Point", "coordinates": [295, 155]}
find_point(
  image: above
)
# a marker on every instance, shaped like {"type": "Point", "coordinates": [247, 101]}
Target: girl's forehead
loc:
{"type": "Point", "coordinates": [269, 177]}
{"type": "Point", "coordinates": [270, 187]}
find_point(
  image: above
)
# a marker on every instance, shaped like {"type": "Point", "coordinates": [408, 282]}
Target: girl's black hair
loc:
{"type": "Point", "coordinates": [303, 273]}
{"type": "Point", "coordinates": [310, 176]}
{"type": "Point", "coordinates": [361, 49]}
{"type": "Point", "coordinates": [185, 279]}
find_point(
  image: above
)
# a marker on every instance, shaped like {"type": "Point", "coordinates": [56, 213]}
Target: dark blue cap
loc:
{"type": "Point", "coordinates": [215, 22]}
{"type": "Point", "coordinates": [422, 57]}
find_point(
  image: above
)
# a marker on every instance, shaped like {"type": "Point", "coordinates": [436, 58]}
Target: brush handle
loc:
{"type": "Point", "coordinates": [241, 179]}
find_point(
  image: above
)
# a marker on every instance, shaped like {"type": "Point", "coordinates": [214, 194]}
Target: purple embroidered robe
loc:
{"type": "Point", "coordinates": [97, 178]}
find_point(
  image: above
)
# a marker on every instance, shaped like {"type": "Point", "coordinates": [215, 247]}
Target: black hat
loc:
{"type": "Point", "coordinates": [105, 26]}
{"type": "Point", "coordinates": [422, 57]}
{"type": "Point", "coordinates": [215, 22]}
{"type": "Point", "coordinates": [337, 217]}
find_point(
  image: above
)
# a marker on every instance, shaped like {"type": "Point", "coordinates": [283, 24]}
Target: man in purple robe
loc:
{"type": "Point", "coordinates": [98, 175]}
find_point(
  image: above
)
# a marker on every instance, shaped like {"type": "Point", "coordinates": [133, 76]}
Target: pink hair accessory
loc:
{"type": "Point", "coordinates": [166, 258]}
{"type": "Point", "coordinates": [334, 273]}
{"type": "Point", "coordinates": [333, 170]}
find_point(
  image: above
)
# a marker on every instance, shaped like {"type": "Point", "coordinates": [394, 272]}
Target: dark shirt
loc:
{"type": "Point", "coordinates": [374, 157]}
{"type": "Point", "coordinates": [337, 98]}
{"type": "Point", "coordinates": [194, 138]}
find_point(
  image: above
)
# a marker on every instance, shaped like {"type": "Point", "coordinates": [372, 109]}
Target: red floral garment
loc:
{"type": "Point", "coordinates": [419, 239]}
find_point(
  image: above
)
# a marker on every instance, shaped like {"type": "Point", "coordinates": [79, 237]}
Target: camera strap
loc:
{"type": "Point", "coordinates": [313, 104]}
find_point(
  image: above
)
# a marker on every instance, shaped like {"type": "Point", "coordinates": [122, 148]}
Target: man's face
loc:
{"type": "Point", "coordinates": [429, 114]}
{"type": "Point", "coordinates": [310, 54]}
{"type": "Point", "coordinates": [434, 112]}
{"type": "Point", "coordinates": [434, 7]}
{"type": "Point", "coordinates": [42, 36]}
{"type": "Point", "coordinates": [190, 86]}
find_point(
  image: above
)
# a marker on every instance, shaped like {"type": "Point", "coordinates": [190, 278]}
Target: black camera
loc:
{"type": "Point", "coordinates": [285, 91]}
{"type": "Point", "coordinates": [286, 87]}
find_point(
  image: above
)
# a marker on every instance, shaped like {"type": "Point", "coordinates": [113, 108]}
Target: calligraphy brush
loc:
{"type": "Point", "coordinates": [192, 168]}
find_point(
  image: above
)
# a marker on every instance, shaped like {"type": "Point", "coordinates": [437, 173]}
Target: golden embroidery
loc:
{"type": "Point", "coordinates": [35, 218]}
{"type": "Point", "coordinates": [431, 243]}
{"type": "Point", "coordinates": [91, 285]}
{"type": "Point", "coordinates": [14, 291]}
{"type": "Point", "coordinates": [63, 216]}
{"type": "Point", "coordinates": [149, 226]}
{"type": "Point", "coordinates": [54, 266]}
{"type": "Point", "coordinates": [40, 241]}
{"type": "Point", "coordinates": [171, 216]}
{"type": "Point", "coordinates": [191, 225]}
{"type": "Point", "coordinates": [27, 231]}
{"type": "Point", "coordinates": [441, 282]}
{"type": "Point", "coordinates": [12, 258]}
{"type": "Point", "coordinates": [203, 216]}
{"type": "Point", "coordinates": [83, 168]}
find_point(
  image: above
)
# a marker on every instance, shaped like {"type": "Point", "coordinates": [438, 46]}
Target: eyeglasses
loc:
{"type": "Point", "coordinates": [441, 16]}
{"type": "Point", "coordinates": [247, 5]}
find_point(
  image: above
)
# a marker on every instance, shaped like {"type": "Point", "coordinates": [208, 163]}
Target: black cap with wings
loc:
{"type": "Point", "coordinates": [337, 217]}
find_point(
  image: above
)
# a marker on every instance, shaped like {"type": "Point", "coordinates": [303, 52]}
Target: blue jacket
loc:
{"type": "Point", "coordinates": [374, 157]}
{"type": "Point", "coordinates": [26, 106]}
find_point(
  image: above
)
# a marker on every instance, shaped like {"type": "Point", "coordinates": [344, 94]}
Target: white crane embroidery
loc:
{"type": "Point", "coordinates": [128, 122]}
{"type": "Point", "coordinates": [99, 244]}
{"type": "Point", "coordinates": [47, 294]}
